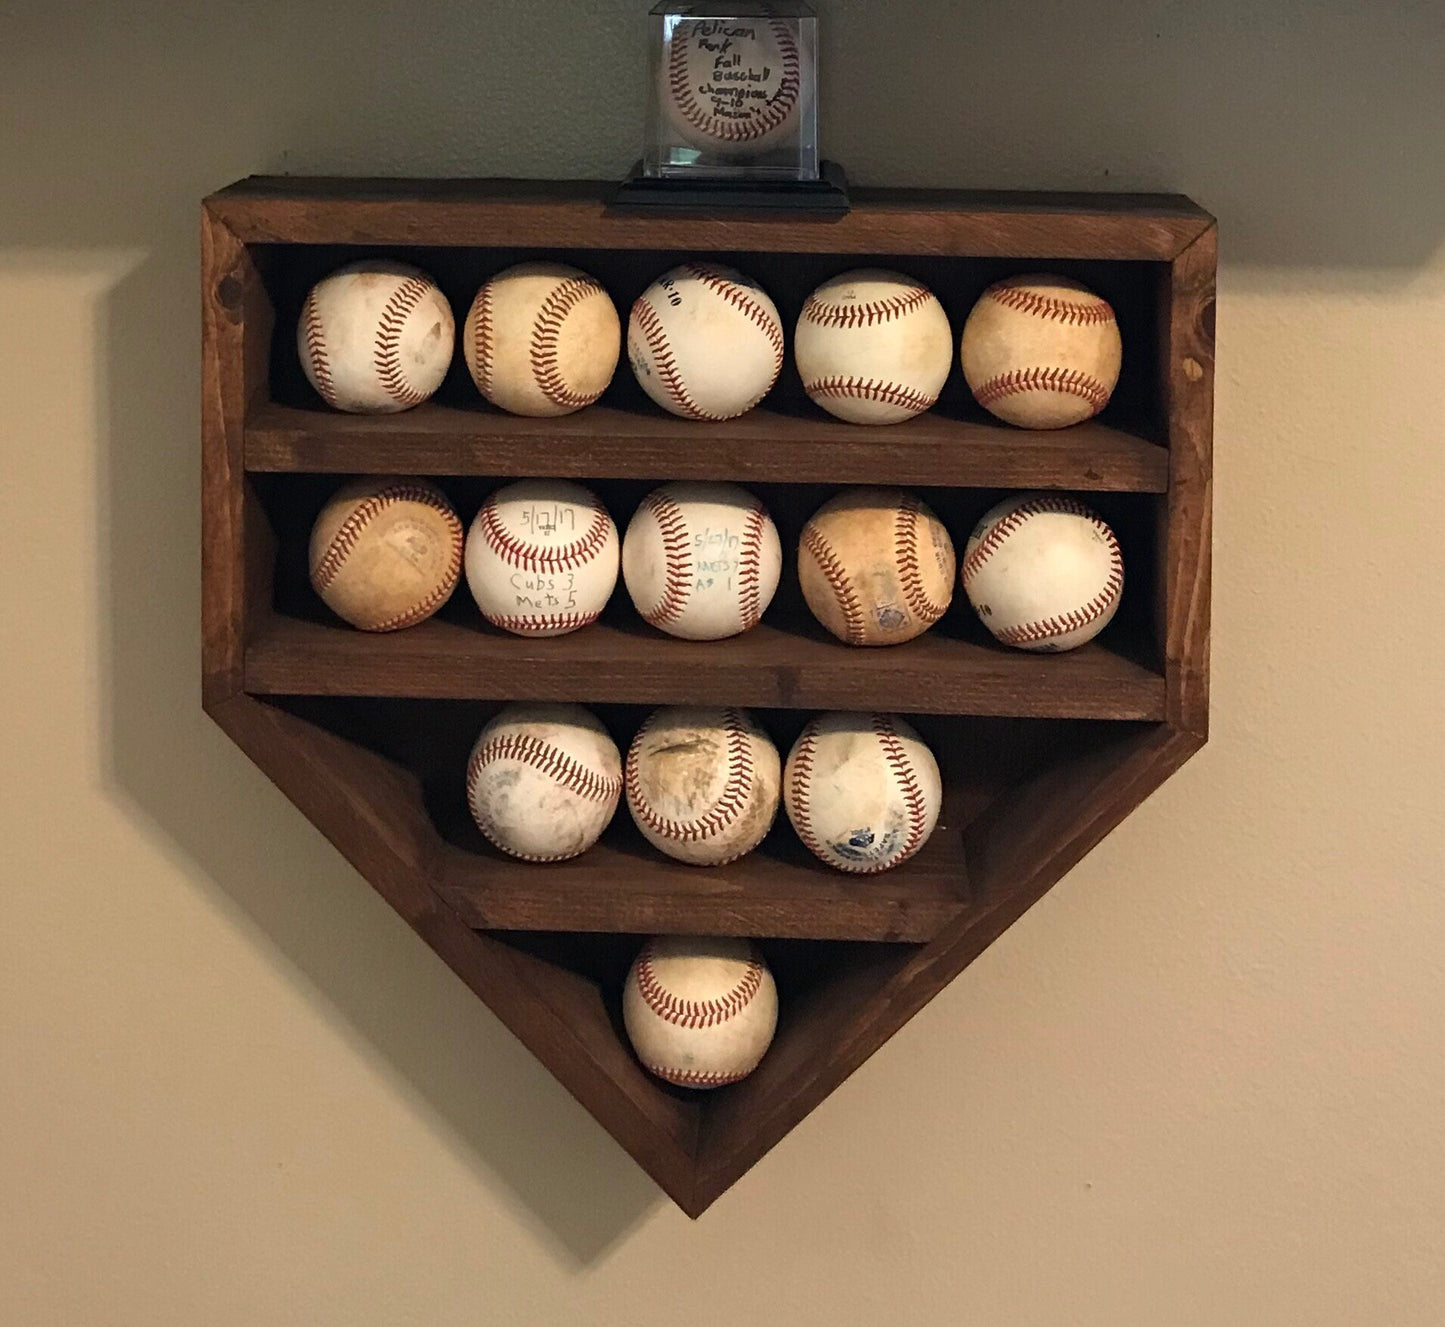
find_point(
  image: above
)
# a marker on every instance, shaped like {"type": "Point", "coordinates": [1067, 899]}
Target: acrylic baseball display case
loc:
{"type": "Point", "coordinates": [732, 92]}
{"type": "Point", "coordinates": [368, 734]}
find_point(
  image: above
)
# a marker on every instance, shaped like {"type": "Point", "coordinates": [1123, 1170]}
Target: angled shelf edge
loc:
{"type": "Point", "coordinates": [761, 446]}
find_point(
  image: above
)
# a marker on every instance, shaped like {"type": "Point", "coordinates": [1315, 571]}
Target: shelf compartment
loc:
{"type": "Point", "coordinates": [622, 660]}
{"type": "Point", "coordinates": [763, 445]}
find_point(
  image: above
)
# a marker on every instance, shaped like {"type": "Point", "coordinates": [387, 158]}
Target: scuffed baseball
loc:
{"type": "Point", "coordinates": [1041, 351]}
{"type": "Point", "coordinates": [873, 346]}
{"type": "Point", "coordinates": [542, 557]}
{"type": "Point", "coordinates": [701, 560]}
{"type": "Point", "coordinates": [702, 783]}
{"type": "Point", "coordinates": [731, 87]}
{"type": "Point", "coordinates": [863, 790]}
{"type": "Point", "coordinates": [542, 339]}
{"type": "Point", "coordinates": [700, 1011]}
{"type": "Point", "coordinates": [375, 337]}
{"type": "Point", "coordinates": [1044, 572]}
{"type": "Point", "coordinates": [543, 781]}
{"type": "Point", "coordinates": [876, 566]}
{"type": "Point", "coordinates": [705, 341]}
{"type": "Point", "coordinates": [385, 553]}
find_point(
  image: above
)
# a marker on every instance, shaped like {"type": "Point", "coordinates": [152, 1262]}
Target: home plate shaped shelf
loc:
{"type": "Point", "coordinates": [1041, 755]}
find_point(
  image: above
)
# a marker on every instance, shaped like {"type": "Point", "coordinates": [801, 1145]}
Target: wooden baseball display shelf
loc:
{"type": "Point", "coordinates": [368, 734]}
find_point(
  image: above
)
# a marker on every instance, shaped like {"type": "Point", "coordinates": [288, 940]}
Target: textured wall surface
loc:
{"type": "Point", "coordinates": [1201, 1083]}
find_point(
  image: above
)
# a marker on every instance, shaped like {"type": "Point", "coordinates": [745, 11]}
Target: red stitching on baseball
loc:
{"type": "Point", "coordinates": [482, 346]}
{"type": "Point", "coordinates": [554, 311]}
{"type": "Point", "coordinates": [315, 333]}
{"type": "Point", "coordinates": [533, 557]}
{"type": "Point", "coordinates": [815, 310]}
{"type": "Point", "coordinates": [798, 809]}
{"type": "Point", "coordinates": [652, 331]}
{"type": "Point", "coordinates": [676, 556]}
{"type": "Point", "coordinates": [522, 625]}
{"type": "Point", "coordinates": [740, 298]}
{"type": "Point", "coordinates": [683, 1013]}
{"type": "Point", "coordinates": [1087, 311]}
{"type": "Point", "coordinates": [777, 109]}
{"type": "Point", "coordinates": [1049, 627]}
{"type": "Point", "coordinates": [832, 569]}
{"type": "Point", "coordinates": [389, 370]}
{"type": "Point", "coordinates": [750, 568]}
{"type": "Point", "coordinates": [1010, 521]}
{"type": "Point", "coordinates": [897, 756]}
{"type": "Point", "coordinates": [890, 393]}
{"type": "Point", "coordinates": [1068, 382]}
{"type": "Point", "coordinates": [350, 530]}
{"type": "Point", "coordinates": [905, 538]}
{"type": "Point", "coordinates": [731, 802]}
{"type": "Point", "coordinates": [698, 1077]}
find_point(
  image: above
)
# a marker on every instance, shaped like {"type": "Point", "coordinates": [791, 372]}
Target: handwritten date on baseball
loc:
{"type": "Point", "coordinates": [546, 520]}
{"type": "Point", "coordinates": [714, 558]}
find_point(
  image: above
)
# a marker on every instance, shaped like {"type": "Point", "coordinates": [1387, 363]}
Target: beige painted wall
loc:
{"type": "Point", "coordinates": [1202, 1083]}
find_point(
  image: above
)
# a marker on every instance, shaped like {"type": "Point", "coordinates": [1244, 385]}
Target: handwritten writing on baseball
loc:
{"type": "Point", "coordinates": [730, 68]}
{"type": "Point", "coordinates": [715, 558]}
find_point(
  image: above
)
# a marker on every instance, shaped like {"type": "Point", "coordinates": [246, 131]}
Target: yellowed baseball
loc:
{"type": "Point", "coordinates": [702, 783]}
{"type": "Point", "coordinates": [700, 1011]}
{"type": "Point", "coordinates": [543, 781]}
{"type": "Point", "coordinates": [542, 339]}
{"type": "Point", "coordinates": [1041, 351]}
{"type": "Point", "coordinates": [375, 337]}
{"type": "Point", "coordinates": [386, 553]}
{"type": "Point", "coordinates": [1043, 571]}
{"type": "Point", "coordinates": [873, 346]}
{"type": "Point", "coordinates": [876, 566]}
{"type": "Point", "coordinates": [705, 341]}
{"type": "Point", "coordinates": [863, 791]}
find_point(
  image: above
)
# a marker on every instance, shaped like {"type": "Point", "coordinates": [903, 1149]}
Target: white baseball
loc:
{"type": "Point", "coordinates": [731, 87]}
{"type": "Point", "coordinates": [700, 1011]}
{"type": "Point", "coordinates": [705, 341]}
{"type": "Point", "coordinates": [542, 339]}
{"type": "Point", "coordinates": [702, 783]}
{"type": "Point", "coordinates": [543, 781]}
{"type": "Point", "coordinates": [1044, 572]}
{"type": "Point", "coordinates": [862, 790]}
{"type": "Point", "coordinates": [876, 566]}
{"type": "Point", "coordinates": [542, 557]}
{"type": "Point", "coordinates": [386, 553]}
{"type": "Point", "coordinates": [375, 337]}
{"type": "Point", "coordinates": [701, 560]}
{"type": "Point", "coordinates": [873, 347]}
{"type": "Point", "coordinates": [1042, 352]}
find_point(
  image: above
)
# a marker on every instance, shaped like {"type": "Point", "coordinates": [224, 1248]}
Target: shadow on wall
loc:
{"type": "Point", "coordinates": [171, 766]}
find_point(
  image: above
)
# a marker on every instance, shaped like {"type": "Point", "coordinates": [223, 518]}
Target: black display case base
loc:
{"type": "Point", "coordinates": [827, 194]}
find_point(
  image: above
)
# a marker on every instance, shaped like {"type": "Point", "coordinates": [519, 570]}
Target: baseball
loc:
{"type": "Point", "coordinates": [700, 1011]}
{"type": "Point", "coordinates": [375, 337]}
{"type": "Point", "coordinates": [1043, 572]}
{"type": "Point", "coordinates": [1041, 351]}
{"type": "Point", "coordinates": [702, 784]}
{"type": "Point", "coordinates": [862, 790]}
{"type": "Point", "coordinates": [542, 339]}
{"type": "Point", "coordinates": [705, 341]}
{"type": "Point", "coordinates": [731, 87]}
{"type": "Point", "coordinates": [542, 557]}
{"type": "Point", "coordinates": [543, 781]}
{"type": "Point", "coordinates": [701, 560]}
{"type": "Point", "coordinates": [876, 566]}
{"type": "Point", "coordinates": [386, 553]}
{"type": "Point", "coordinates": [873, 347]}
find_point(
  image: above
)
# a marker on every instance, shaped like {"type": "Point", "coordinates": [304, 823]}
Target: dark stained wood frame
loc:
{"type": "Point", "coordinates": [374, 810]}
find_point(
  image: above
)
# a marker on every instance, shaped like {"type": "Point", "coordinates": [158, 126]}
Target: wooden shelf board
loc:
{"type": "Point", "coordinates": [623, 884]}
{"type": "Point", "coordinates": [770, 666]}
{"type": "Point", "coordinates": [763, 446]}
{"type": "Point", "coordinates": [576, 214]}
